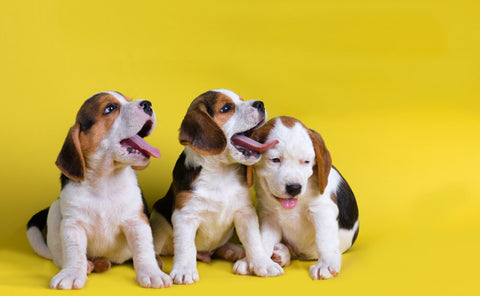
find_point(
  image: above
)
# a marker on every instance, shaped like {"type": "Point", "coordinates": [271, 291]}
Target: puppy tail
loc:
{"type": "Point", "coordinates": [36, 230]}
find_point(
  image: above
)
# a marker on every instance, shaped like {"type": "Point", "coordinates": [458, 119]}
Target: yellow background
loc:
{"type": "Point", "coordinates": [393, 87]}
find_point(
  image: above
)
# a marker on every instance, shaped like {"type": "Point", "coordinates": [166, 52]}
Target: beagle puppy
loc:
{"type": "Point", "coordinates": [209, 195]}
{"type": "Point", "coordinates": [306, 208]}
{"type": "Point", "coordinates": [101, 216]}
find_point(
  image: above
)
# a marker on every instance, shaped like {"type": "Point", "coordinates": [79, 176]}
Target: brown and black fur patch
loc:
{"type": "Point", "coordinates": [94, 124]}
{"type": "Point", "coordinates": [290, 121]}
{"type": "Point", "coordinates": [347, 206]}
{"type": "Point", "coordinates": [261, 134]}
{"type": "Point", "coordinates": [183, 179]}
{"type": "Point", "coordinates": [219, 117]}
{"type": "Point", "coordinates": [199, 130]}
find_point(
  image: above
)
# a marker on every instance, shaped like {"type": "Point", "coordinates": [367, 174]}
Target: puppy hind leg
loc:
{"type": "Point", "coordinates": [98, 265]}
{"type": "Point", "coordinates": [231, 252]}
{"type": "Point", "coordinates": [205, 256]}
{"type": "Point", "coordinates": [281, 254]}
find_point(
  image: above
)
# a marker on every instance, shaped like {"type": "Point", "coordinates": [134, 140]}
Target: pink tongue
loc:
{"type": "Point", "coordinates": [288, 203]}
{"type": "Point", "coordinates": [139, 143]}
{"type": "Point", "coordinates": [246, 142]}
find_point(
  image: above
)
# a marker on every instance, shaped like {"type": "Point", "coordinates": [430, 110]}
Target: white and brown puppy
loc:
{"type": "Point", "coordinates": [305, 205]}
{"type": "Point", "coordinates": [209, 195]}
{"type": "Point", "coordinates": [101, 216]}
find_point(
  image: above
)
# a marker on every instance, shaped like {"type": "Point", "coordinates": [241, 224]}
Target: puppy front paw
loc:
{"type": "Point", "coordinates": [260, 268]}
{"type": "Point", "coordinates": [281, 255]}
{"type": "Point", "coordinates": [68, 279]}
{"type": "Point", "coordinates": [327, 266]}
{"type": "Point", "coordinates": [267, 268]}
{"type": "Point", "coordinates": [184, 276]}
{"type": "Point", "coordinates": [241, 267]}
{"type": "Point", "coordinates": [153, 278]}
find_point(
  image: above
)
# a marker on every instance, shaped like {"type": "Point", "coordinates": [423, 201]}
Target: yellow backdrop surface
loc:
{"type": "Point", "coordinates": [392, 85]}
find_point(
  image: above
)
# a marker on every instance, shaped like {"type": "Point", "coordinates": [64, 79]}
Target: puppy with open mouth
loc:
{"type": "Point", "coordinates": [307, 209]}
{"type": "Point", "coordinates": [101, 216]}
{"type": "Point", "coordinates": [209, 195]}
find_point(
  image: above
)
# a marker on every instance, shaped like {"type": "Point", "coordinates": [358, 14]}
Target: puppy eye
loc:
{"type": "Point", "coordinates": [226, 108]}
{"type": "Point", "coordinates": [110, 107]}
{"type": "Point", "coordinates": [275, 160]}
{"type": "Point", "coordinates": [306, 162]}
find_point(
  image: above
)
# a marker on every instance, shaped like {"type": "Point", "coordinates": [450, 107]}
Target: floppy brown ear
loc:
{"type": "Point", "coordinates": [70, 160]}
{"type": "Point", "coordinates": [323, 158]}
{"type": "Point", "coordinates": [199, 131]}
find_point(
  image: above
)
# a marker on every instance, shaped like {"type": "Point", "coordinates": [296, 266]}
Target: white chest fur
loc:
{"type": "Point", "coordinates": [101, 209]}
{"type": "Point", "coordinates": [215, 204]}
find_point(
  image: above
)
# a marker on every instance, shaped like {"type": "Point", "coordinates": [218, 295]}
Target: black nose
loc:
{"type": "Point", "coordinates": [293, 189]}
{"type": "Point", "coordinates": [259, 105]}
{"type": "Point", "coordinates": [147, 107]}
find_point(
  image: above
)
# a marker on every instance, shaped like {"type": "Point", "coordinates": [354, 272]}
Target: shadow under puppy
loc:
{"type": "Point", "coordinates": [101, 216]}
{"type": "Point", "coordinates": [306, 208]}
{"type": "Point", "coordinates": [209, 195]}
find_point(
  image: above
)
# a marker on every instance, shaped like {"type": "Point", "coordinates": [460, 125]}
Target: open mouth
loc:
{"type": "Point", "coordinates": [249, 147]}
{"type": "Point", "coordinates": [137, 145]}
{"type": "Point", "coordinates": [286, 203]}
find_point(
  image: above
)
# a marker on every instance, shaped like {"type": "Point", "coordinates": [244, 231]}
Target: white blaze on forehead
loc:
{"type": "Point", "coordinates": [116, 95]}
{"type": "Point", "coordinates": [294, 141]}
{"type": "Point", "coordinates": [228, 93]}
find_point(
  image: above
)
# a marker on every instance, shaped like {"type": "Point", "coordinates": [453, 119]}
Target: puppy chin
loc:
{"type": "Point", "coordinates": [132, 158]}
{"type": "Point", "coordinates": [245, 158]}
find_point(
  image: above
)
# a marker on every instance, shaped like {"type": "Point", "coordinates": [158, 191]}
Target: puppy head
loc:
{"type": "Point", "coordinates": [219, 122]}
{"type": "Point", "coordinates": [285, 169]}
{"type": "Point", "coordinates": [109, 128]}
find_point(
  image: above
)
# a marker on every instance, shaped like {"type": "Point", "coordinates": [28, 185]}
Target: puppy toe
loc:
{"type": "Point", "coordinates": [184, 276]}
{"type": "Point", "coordinates": [241, 267]}
{"type": "Point", "coordinates": [153, 279]}
{"type": "Point", "coordinates": [266, 269]}
{"type": "Point", "coordinates": [281, 255]}
{"type": "Point", "coordinates": [324, 270]}
{"type": "Point", "coordinates": [68, 279]}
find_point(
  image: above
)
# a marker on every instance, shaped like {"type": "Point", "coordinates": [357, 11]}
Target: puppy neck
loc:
{"type": "Point", "coordinates": [208, 162]}
{"type": "Point", "coordinates": [102, 167]}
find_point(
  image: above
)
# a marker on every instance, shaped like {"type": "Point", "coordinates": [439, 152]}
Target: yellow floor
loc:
{"type": "Point", "coordinates": [392, 86]}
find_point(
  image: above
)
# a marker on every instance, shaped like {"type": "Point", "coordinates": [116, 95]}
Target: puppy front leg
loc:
{"type": "Point", "coordinates": [256, 261]}
{"type": "Point", "coordinates": [271, 237]}
{"type": "Point", "coordinates": [74, 244]}
{"type": "Point", "coordinates": [54, 237]}
{"type": "Point", "coordinates": [324, 218]}
{"type": "Point", "coordinates": [140, 240]}
{"type": "Point", "coordinates": [185, 226]}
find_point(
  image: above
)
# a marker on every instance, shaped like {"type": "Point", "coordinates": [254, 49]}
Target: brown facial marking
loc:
{"type": "Point", "coordinates": [221, 101]}
{"type": "Point", "coordinates": [261, 134]}
{"type": "Point", "coordinates": [94, 124]}
{"type": "Point", "coordinates": [199, 130]}
{"type": "Point", "coordinates": [182, 198]}
{"type": "Point", "coordinates": [289, 121]}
